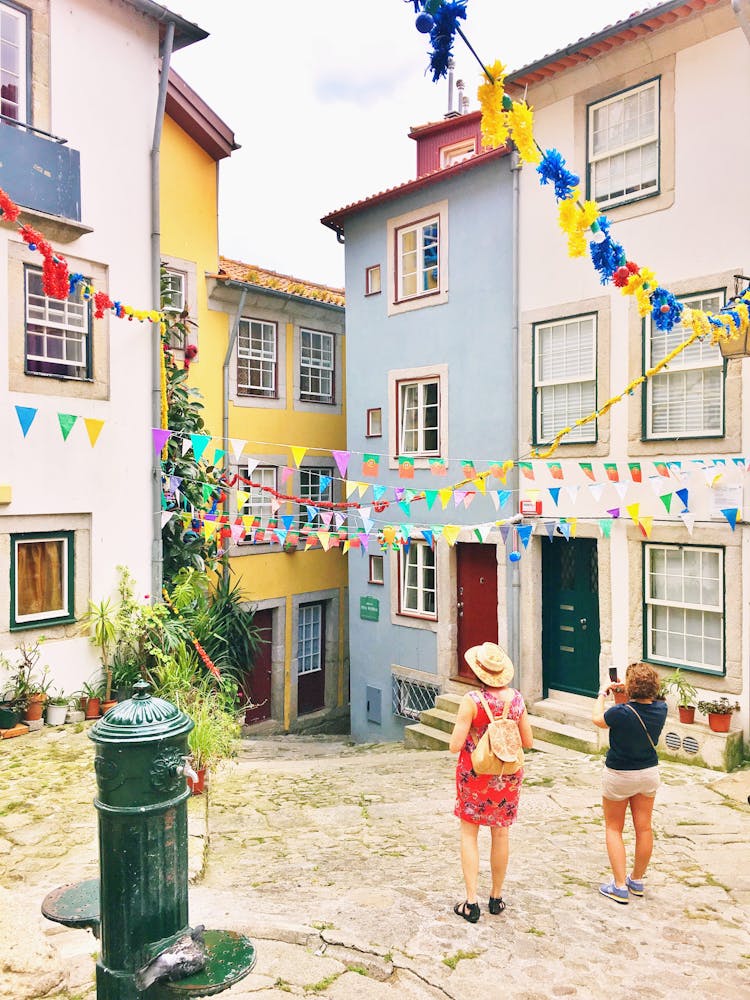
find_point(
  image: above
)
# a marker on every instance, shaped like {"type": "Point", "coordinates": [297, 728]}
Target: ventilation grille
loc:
{"type": "Point", "coordinates": [688, 744]}
{"type": "Point", "coordinates": [412, 697]}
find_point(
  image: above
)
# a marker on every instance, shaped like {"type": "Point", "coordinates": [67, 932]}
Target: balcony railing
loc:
{"type": "Point", "coordinates": [39, 171]}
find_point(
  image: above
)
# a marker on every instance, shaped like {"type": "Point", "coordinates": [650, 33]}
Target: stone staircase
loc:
{"type": "Point", "coordinates": [561, 719]}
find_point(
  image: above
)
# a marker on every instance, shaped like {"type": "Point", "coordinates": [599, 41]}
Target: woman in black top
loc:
{"type": "Point", "coordinates": [631, 775]}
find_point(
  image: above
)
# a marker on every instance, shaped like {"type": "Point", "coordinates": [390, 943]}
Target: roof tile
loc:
{"type": "Point", "coordinates": [251, 274]}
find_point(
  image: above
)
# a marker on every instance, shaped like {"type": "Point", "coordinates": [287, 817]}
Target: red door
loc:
{"type": "Point", "coordinates": [258, 680]}
{"type": "Point", "coordinates": [311, 658]}
{"type": "Point", "coordinates": [476, 600]}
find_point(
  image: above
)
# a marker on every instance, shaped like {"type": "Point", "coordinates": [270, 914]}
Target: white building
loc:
{"type": "Point", "coordinates": [80, 92]}
{"type": "Point", "coordinates": [647, 112]}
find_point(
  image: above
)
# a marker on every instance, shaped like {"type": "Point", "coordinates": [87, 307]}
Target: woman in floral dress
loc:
{"type": "Point", "coordinates": [486, 799]}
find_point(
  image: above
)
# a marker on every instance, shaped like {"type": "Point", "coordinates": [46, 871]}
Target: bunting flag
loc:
{"type": "Point", "coordinates": [430, 496]}
{"type": "Point", "coordinates": [565, 529]}
{"type": "Point", "coordinates": [469, 498]}
{"type": "Point", "coordinates": [288, 521]}
{"type": "Point", "coordinates": [554, 492]}
{"type": "Point", "coordinates": [683, 495]}
{"type": "Point", "coordinates": [186, 446]}
{"type": "Point", "coordinates": [458, 497]}
{"type": "Point", "coordinates": [621, 489]}
{"type": "Point", "coordinates": [468, 470]}
{"type": "Point", "coordinates": [688, 520]}
{"type": "Point", "coordinates": [445, 497]}
{"type": "Point", "coordinates": [614, 512]}
{"type": "Point", "coordinates": [504, 532]}
{"type": "Point", "coordinates": [199, 443]}
{"type": "Point", "coordinates": [730, 513]}
{"type": "Point", "coordinates": [94, 429]}
{"type": "Point", "coordinates": [298, 453]}
{"type": "Point", "coordinates": [438, 467]}
{"type": "Point", "coordinates": [405, 467]}
{"type": "Point", "coordinates": [378, 491]}
{"type": "Point", "coordinates": [26, 416]}
{"type": "Point", "coordinates": [555, 470]}
{"type": "Point", "coordinates": [405, 507]}
{"type": "Point", "coordinates": [242, 498]}
{"type": "Point", "coordinates": [238, 446]}
{"type": "Point", "coordinates": [428, 536]}
{"type": "Point", "coordinates": [342, 461]}
{"type": "Point", "coordinates": [500, 470]}
{"type": "Point", "coordinates": [635, 471]}
{"type": "Point", "coordinates": [66, 421]}
{"type": "Point", "coordinates": [323, 483]}
{"type": "Point", "coordinates": [524, 533]}
{"type": "Point", "coordinates": [219, 453]}
{"type": "Point", "coordinates": [612, 473]}
{"type": "Point", "coordinates": [605, 526]}
{"type": "Point", "coordinates": [362, 488]}
{"type": "Point", "coordinates": [370, 464]}
{"type": "Point", "coordinates": [573, 522]}
{"type": "Point", "coordinates": [549, 527]}
{"type": "Point", "coordinates": [572, 492]}
{"type": "Point", "coordinates": [645, 524]}
{"type": "Point", "coordinates": [596, 490]}
{"type": "Point", "coordinates": [495, 499]}
{"type": "Point", "coordinates": [481, 484]}
{"type": "Point", "coordinates": [251, 466]}
{"type": "Point", "coordinates": [324, 537]}
{"type": "Point", "coordinates": [286, 475]}
{"type": "Point", "coordinates": [587, 469]}
{"type": "Point", "coordinates": [312, 513]}
{"type": "Point", "coordinates": [483, 531]}
{"type": "Point", "coordinates": [166, 515]}
{"type": "Point", "coordinates": [503, 497]}
{"type": "Point", "coordinates": [661, 468]}
{"type": "Point", "coordinates": [350, 486]}
{"type": "Point", "coordinates": [666, 499]}
{"type": "Point", "coordinates": [209, 529]}
{"type": "Point", "coordinates": [527, 469]}
{"type": "Point", "coordinates": [364, 513]}
{"type": "Point", "coordinates": [633, 510]}
{"type": "Point", "coordinates": [160, 438]}
{"type": "Point", "coordinates": [398, 493]}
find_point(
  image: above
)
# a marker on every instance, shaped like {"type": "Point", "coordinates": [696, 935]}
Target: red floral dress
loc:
{"type": "Point", "coordinates": [487, 799]}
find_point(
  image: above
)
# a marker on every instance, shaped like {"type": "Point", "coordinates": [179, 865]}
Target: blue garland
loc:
{"type": "Point", "coordinates": [552, 170]}
{"type": "Point", "coordinates": [442, 35]}
{"type": "Point", "coordinates": [606, 254]}
{"type": "Point", "coordinates": [665, 318]}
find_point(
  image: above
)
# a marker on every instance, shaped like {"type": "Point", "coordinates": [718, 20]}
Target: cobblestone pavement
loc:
{"type": "Point", "coordinates": [341, 863]}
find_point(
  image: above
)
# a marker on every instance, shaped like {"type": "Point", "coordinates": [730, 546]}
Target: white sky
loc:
{"type": "Point", "coordinates": [321, 95]}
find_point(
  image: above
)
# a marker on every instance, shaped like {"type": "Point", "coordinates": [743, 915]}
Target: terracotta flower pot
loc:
{"type": "Point", "coordinates": [197, 786]}
{"type": "Point", "coordinates": [106, 705]}
{"type": "Point", "coordinates": [35, 707]}
{"type": "Point", "coordinates": [719, 723]}
{"type": "Point", "coordinates": [686, 713]}
{"type": "Point", "coordinates": [93, 708]}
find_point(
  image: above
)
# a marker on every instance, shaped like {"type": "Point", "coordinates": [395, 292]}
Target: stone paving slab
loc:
{"type": "Point", "coordinates": [341, 863]}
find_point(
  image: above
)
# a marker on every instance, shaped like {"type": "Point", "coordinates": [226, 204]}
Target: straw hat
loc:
{"type": "Point", "coordinates": [491, 664]}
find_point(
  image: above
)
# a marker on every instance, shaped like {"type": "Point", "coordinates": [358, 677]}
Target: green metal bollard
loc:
{"type": "Point", "coordinates": [139, 904]}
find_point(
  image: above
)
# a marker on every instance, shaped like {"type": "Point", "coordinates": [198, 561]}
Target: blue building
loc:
{"type": "Point", "coordinates": [431, 381]}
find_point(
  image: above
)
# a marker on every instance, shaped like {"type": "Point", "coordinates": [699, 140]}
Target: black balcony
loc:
{"type": "Point", "coordinates": [39, 172]}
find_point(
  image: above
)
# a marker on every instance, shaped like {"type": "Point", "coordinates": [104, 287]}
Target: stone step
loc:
{"type": "Point", "coordinates": [569, 713]}
{"type": "Point", "coordinates": [422, 737]}
{"type": "Point", "coordinates": [572, 737]}
{"type": "Point", "coordinates": [448, 703]}
{"type": "Point", "coordinates": [438, 719]}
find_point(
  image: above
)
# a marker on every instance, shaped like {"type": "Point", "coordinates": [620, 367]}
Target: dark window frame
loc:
{"type": "Point", "coordinates": [68, 615]}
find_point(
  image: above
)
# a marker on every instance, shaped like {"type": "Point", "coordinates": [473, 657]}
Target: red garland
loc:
{"type": "Point", "coordinates": [102, 302]}
{"type": "Point", "coordinates": [9, 209]}
{"type": "Point", "coordinates": [622, 275]}
{"type": "Point", "coordinates": [55, 277]}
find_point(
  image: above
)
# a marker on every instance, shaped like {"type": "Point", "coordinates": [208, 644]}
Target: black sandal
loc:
{"type": "Point", "coordinates": [497, 905]}
{"type": "Point", "coordinates": [469, 911]}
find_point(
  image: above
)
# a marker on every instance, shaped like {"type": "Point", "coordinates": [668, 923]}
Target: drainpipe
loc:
{"type": "Point", "coordinates": [740, 9]}
{"type": "Point", "coordinates": [156, 547]}
{"type": "Point", "coordinates": [513, 576]}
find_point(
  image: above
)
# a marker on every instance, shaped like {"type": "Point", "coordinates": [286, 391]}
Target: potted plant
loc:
{"type": "Point", "coordinates": [57, 708]}
{"type": "Point", "coordinates": [686, 694]}
{"type": "Point", "coordinates": [100, 624]}
{"type": "Point", "coordinates": [29, 684]}
{"type": "Point", "coordinates": [91, 700]}
{"type": "Point", "coordinates": [719, 713]}
{"type": "Point", "coordinates": [214, 735]}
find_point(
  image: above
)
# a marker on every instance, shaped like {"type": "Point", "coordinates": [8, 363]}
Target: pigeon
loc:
{"type": "Point", "coordinates": [186, 956]}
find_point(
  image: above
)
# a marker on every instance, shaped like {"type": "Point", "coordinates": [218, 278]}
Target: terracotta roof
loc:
{"type": "Point", "coordinates": [334, 220]}
{"type": "Point", "coordinates": [250, 274]}
{"type": "Point", "coordinates": [639, 24]}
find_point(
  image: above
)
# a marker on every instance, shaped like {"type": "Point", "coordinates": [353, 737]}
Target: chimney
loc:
{"type": "Point", "coordinates": [463, 101]}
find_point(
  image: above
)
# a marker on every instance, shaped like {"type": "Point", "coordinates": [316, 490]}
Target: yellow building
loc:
{"type": "Point", "coordinates": [270, 367]}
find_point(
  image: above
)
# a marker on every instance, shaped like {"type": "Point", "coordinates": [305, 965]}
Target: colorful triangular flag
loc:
{"type": "Point", "coordinates": [26, 416]}
{"type": "Point", "coordinates": [342, 461]}
{"type": "Point", "coordinates": [199, 444]}
{"type": "Point", "coordinates": [93, 429]}
{"type": "Point", "coordinates": [66, 420]}
{"type": "Point", "coordinates": [160, 438]}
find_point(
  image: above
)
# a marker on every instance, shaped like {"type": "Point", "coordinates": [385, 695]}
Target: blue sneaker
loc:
{"type": "Point", "coordinates": [610, 889]}
{"type": "Point", "coordinates": [635, 885]}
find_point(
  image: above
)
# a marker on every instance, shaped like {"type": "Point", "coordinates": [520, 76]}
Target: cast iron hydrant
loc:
{"type": "Point", "coordinates": [138, 906]}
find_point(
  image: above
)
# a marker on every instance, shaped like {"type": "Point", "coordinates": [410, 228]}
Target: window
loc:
{"type": "Point", "coordinates": [564, 377]}
{"type": "Point", "coordinates": [623, 146]}
{"type": "Point", "coordinates": [372, 280]}
{"type": "Point", "coordinates": [374, 423]}
{"type": "Point", "coordinates": [419, 417]}
{"type": "Point", "coordinates": [314, 487]}
{"type": "Point", "coordinates": [256, 358]}
{"type": "Point", "coordinates": [173, 291]}
{"type": "Point", "coordinates": [310, 639]}
{"type": "Point", "coordinates": [317, 354]}
{"type": "Point", "coordinates": [410, 698]}
{"type": "Point", "coordinates": [418, 581]}
{"type": "Point", "coordinates": [684, 596]}
{"type": "Point", "coordinates": [58, 332]}
{"type": "Point", "coordinates": [376, 570]}
{"type": "Point", "coordinates": [41, 579]}
{"type": "Point", "coordinates": [259, 503]}
{"type": "Point", "coordinates": [457, 153]}
{"type": "Point", "coordinates": [417, 259]}
{"type": "Point", "coordinates": [13, 60]}
{"type": "Point", "coordinates": [687, 399]}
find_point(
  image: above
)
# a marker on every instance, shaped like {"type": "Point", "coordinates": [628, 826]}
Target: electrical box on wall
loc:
{"type": "Point", "coordinates": [530, 508]}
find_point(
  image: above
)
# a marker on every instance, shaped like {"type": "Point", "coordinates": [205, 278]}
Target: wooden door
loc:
{"type": "Point", "coordinates": [476, 600]}
{"type": "Point", "coordinates": [258, 680]}
{"type": "Point", "coordinates": [311, 664]}
{"type": "Point", "coordinates": [570, 616]}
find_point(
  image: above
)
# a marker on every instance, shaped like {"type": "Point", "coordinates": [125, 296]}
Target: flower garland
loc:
{"type": "Point", "coordinates": [210, 665]}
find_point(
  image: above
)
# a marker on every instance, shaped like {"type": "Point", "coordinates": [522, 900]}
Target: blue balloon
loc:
{"type": "Point", "coordinates": [514, 556]}
{"type": "Point", "coordinates": [425, 22]}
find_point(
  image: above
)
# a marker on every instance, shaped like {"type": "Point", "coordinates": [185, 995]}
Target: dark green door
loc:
{"type": "Point", "coordinates": [570, 616]}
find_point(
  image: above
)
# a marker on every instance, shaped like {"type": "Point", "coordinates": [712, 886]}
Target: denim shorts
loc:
{"type": "Point", "coordinates": [620, 785]}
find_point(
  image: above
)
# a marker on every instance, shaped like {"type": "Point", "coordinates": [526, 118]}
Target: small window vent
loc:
{"type": "Point", "coordinates": [411, 698]}
{"type": "Point", "coordinates": [672, 741]}
{"type": "Point", "coordinates": [690, 744]}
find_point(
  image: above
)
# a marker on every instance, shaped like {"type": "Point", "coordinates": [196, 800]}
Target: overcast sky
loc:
{"type": "Point", "coordinates": [321, 95]}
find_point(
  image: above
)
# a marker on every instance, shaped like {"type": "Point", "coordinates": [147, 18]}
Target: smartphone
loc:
{"type": "Point", "coordinates": [613, 673]}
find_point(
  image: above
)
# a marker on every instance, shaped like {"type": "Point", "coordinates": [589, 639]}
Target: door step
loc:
{"type": "Point", "coordinates": [564, 735]}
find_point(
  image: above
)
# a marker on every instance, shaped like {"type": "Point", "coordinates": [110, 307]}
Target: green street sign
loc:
{"type": "Point", "coordinates": [369, 609]}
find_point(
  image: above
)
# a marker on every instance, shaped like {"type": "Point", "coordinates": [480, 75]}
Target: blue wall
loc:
{"type": "Point", "coordinates": [472, 334]}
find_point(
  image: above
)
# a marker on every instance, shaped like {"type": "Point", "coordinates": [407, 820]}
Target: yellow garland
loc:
{"type": "Point", "coordinates": [521, 124]}
{"type": "Point", "coordinates": [163, 384]}
{"type": "Point", "coordinates": [494, 124]}
{"type": "Point", "coordinates": [575, 218]}
{"type": "Point", "coordinates": [641, 285]}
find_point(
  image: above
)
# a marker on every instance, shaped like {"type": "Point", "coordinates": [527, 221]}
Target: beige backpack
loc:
{"type": "Point", "coordinates": [499, 751]}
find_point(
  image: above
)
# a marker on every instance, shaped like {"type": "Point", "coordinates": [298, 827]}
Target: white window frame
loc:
{"type": "Point", "coordinates": [63, 323]}
{"type": "Point", "coordinates": [457, 152]}
{"type": "Point", "coordinates": [377, 570]}
{"type": "Point", "coordinates": [314, 497]}
{"type": "Point", "coordinates": [599, 160]}
{"type": "Point", "coordinates": [253, 346]}
{"type": "Point", "coordinates": [22, 104]}
{"type": "Point", "coordinates": [260, 503]}
{"type": "Point", "coordinates": [317, 362]}
{"type": "Point", "coordinates": [175, 299]}
{"type": "Point", "coordinates": [374, 422]}
{"type": "Point", "coordinates": [683, 605]}
{"type": "Point", "coordinates": [421, 429]}
{"type": "Point", "coordinates": [373, 282]}
{"type": "Point", "coordinates": [396, 228]}
{"type": "Point", "coordinates": [423, 558]}
{"type": "Point", "coordinates": [310, 658]}
{"type": "Point", "coordinates": [54, 615]}
{"type": "Point", "coordinates": [564, 384]}
{"type": "Point", "coordinates": [424, 270]}
{"type": "Point", "coordinates": [700, 358]}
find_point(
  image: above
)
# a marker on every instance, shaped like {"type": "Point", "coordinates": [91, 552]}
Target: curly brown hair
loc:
{"type": "Point", "coordinates": [641, 681]}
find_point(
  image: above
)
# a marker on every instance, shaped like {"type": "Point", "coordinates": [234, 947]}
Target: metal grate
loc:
{"type": "Point", "coordinates": [672, 741]}
{"type": "Point", "coordinates": [412, 697]}
{"type": "Point", "coordinates": [690, 744]}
